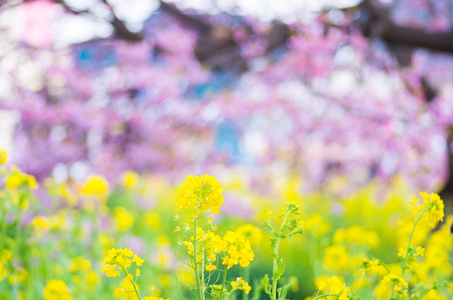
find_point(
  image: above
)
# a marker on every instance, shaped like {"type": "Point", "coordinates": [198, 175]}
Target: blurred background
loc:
{"type": "Point", "coordinates": [330, 104]}
{"type": "Point", "coordinates": [337, 92]}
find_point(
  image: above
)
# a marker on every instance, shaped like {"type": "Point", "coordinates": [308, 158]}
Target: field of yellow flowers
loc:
{"type": "Point", "coordinates": [146, 238]}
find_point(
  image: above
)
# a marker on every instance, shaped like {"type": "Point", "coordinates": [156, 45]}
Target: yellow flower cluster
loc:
{"type": "Point", "coordinates": [79, 264]}
{"type": "Point", "coordinates": [200, 194]}
{"type": "Point", "coordinates": [5, 258]}
{"type": "Point", "coordinates": [96, 186]}
{"type": "Point", "coordinates": [119, 259]}
{"type": "Point", "coordinates": [251, 233]}
{"type": "Point", "coordinates": [238, 249]}
{"type": "Point", "coordinates": [56, 290]}
{"type": "Point", "coordinates": [356, 235]}
{"type": "Point", "coordinates": [436, 256]}
{"type": "Point", "coordinates": [432, 205]}
{"type": "Point", "coordinates": [316, 225]}
{"type": "Point", "coordinates": [334, 286]}
{"type": "Point", "coordinates": [337, 258]}
{"type": "Point", "coordinates": [369, 265]}
{"type": "Point", "coordinates": [3, 157]}
{"type": "Point", "coordinates": [16, 179]}
{"type": "Point", "coordinates": [398, 284]}
{"type": "Point", "coordinates": [123, 219]}
{"type": "Point", "coordinates": [240, 284]}
{"type": "Point", "coordinates": [129, 179]}
{"type": "Point", "coordinates": [235, 246]}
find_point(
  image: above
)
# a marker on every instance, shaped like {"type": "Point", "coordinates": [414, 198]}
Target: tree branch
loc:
{"type": "Point", "coordinates": [380, 25]}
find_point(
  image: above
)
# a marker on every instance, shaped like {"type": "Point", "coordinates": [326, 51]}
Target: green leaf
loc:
{"type": "Point", "coordinates": [265, 284]}
{"type": "Point", "coordinates": [268, 225]}
{"type": "Point", "coordinates": [280, 270]}
{"type": "Point", "coordinates": [282, 291]}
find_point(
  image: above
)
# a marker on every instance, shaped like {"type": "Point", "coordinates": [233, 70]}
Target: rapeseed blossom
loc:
{"type": "Point", "coordinates": [251, 233]}
{"type": "Point", "coordinates": [432, 207]}
{"type": "Point", "coordinates": [96, 186]}
{"type": "Point", "coordinates": [3, 157]}
{"type": "Point", "coordinates": [200, 194]}
{"type": "Point", "coordinates": [56, 290]}
{"type": "Point", "coordinates": [16, 179]}
{"type": "Point", "coordinates": [119, 259]}
{"type": "Point", "coordinates": [240, 284]}
{"type": "Point", "coordinates": [398, 284]}
{"type": "Point", "coordinates": [129, 179]}
{"type": "Point", "coordinates": [238, 250]}
{"type": "Point", "coordinates": [333, 287]}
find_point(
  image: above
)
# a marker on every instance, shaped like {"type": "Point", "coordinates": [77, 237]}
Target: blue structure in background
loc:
{"type": "Point", "coordinates": [227, 140]}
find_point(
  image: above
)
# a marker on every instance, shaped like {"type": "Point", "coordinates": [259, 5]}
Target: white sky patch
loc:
{"type": "Point", "coordinates": [70, 29]}
{"type": "Point", "coordinates": [8, 119]}
{"type": "Point", "coordinates": [266, 10]}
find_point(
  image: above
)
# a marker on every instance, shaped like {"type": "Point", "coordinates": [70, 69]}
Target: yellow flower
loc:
{"type": "Point", "coordinates": [91, 278]}
{"type": "Point", "coordinates": [200, 194]}
{"type": "Point", "coordinates": [336, 258]}
{"type": "Point", "coordinates": [129, 179]}
{"type": "Point", "coordinates": [420, 251]}
{"type": "Point", "coordinates": [398, 283]}
{"type": "Point", "coordinates": [3, 157]}
{"type": "Point", "coordinates": [56, 290]}
{"type": "Point", "coordinates": [435, 208]}
{"type": "Point", "coordinates": [250, 232]}
{"type": "Point", "coordinates": [369, 265]}
{"type": "Point", "coordinates": [138, 261]}
{"type": "Point", "coordinates": [40, 225]}
{"type": "Point", "coordinates": [79, 264]}
{"type": "Point", "coordinates": [16, 179]}
{"type": "Point", "coordinates": [240, 284]}
{"type": "Point", "coordinates": [316, 225]}
{"type": "Point", "coordinates": [123, 219]}
{"type": "Point", "coordinates": [210, 268]}
{"type": "Point", "coordinates": [237, 248]}
{"type": "Point", "coordinates": [137, 272]}
{"type": "Point", "coordinates": [335, 285]}
{"type": "Point", "coordinates": [119, 259]}
{"type": "Point", "coordinates": [97, 186]}
{"type": "Point", "coordinates": [402, 252]}
{"type": "Point", "coordinates": [129, 276]}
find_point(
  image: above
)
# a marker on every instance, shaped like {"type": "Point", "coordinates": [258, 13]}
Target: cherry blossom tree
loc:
{"type": "Point", "coordinates": [357, 93]}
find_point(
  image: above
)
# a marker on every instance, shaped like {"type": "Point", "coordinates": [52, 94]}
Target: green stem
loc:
{"type": "Point", "coordinates": [245, 296]}
{"type": "Point", "coordinates": [202, 272]}
{"type": "Point", "coordinates": [195, 250]}
{"type": "Point", "coordinates": [325, 296]}
{"type": "Point", "coordinates": [426, 292]}
{"type": "Point", "coordinates": [404, 265]}
{"type": "Point", "coordinates": [275, 259]}
{"type": "Point", "coordinates": [385, 267]}
{"type": "Point", "coordinates": [274, 269]}
{"type": "Point", "coordinates": [133, 284]}
{"type": "Point", "coordinates": [3, 224]}
{"type": "Point", "coordinates": [18, 239]}
{"type": "Point", "coordinates": [223, 281]}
